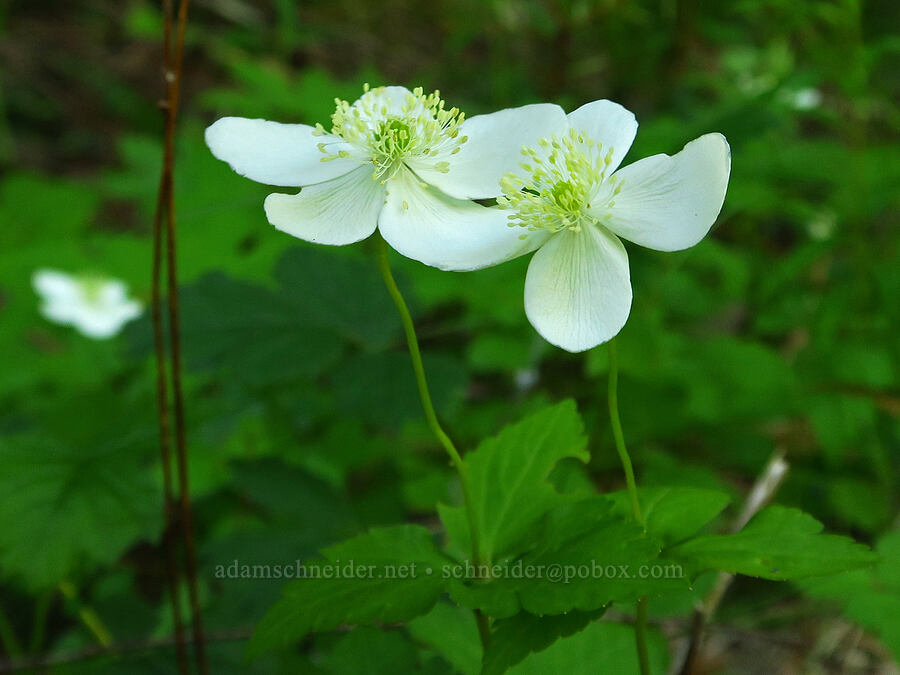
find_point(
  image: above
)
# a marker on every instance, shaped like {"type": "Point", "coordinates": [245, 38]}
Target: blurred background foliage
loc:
{"type": "Point", "coordinates": [778, 331]}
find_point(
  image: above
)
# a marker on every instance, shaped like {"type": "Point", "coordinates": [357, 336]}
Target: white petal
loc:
{"type": "Point", "coordinates": [55, 286]}
{"type": "Point", "coordinates": [424, 224]}
{"type": "Point", "coordinates": [493, 148]}
{"type": "Point", "coordinates": [278, 154]}
{"type": "Point", "coordinates": [578, 289]}
{"type": "Point", "coordinates": [669, 203]}
{"type": "Point", "coordinates": [608, 123]}
{"type": "Point", "coordinates": [100, 323]}
{"type": "Point", "coordinates": [341, 211]}
{"type": "Point", "coordinates": [381, 102]}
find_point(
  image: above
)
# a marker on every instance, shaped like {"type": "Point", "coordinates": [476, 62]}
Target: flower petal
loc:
{"type": "Point", "coordinates": [493, 148]}
{"type": "Point", "coordinates": [424, 224]}
{"type": "Point", "coordinates": [54, 286]}
{"type": "Point", "coordinates": [669, 203]}
{"type": "Point", "coordinates": [380, 102]}
{"type": "Point", "coordinates": [610, 124]}
{"type": "Point", "coordinates": [341, 211]}
{"type": "Point", "coordinates": [278, 154]}
{"type": "Point", "coordinates": [578, 289]}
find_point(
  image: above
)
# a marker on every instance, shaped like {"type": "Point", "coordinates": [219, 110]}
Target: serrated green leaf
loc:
{"type": "Point", "coordinates": [779, 543]}
{"type": "Point", "coordinates": [601, 647]}
{"type": "Point", "coordinates": [396, 586]}
{"type": "Point", "coordinates": [586, 557]}
{"type": "Point", "coordinates": [513, 639]}
{"type": "Point", "coordinates": [673, 513]}
{"type": "Point", "coordinates": [508, 472]}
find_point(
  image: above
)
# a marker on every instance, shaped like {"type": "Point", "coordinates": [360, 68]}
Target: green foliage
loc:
{"type": "Point", "coordinates": [778, 543]}
{"type": "Point", "coordinates": [451, 632]}
{"type": "Point", "coordinates": [675, 513]}
{"type": "Point", "coordinates": [304, 425]}
{"type": "Point", "coordinates": [509, 487]}
{"type": "Point", "coordinates": [67, 508]}
{"type": "Point", "coordinates": [870, 597]}
{"type": "Point", "coordinates": [390, 589]}
{"type": "Point", "coordinates": [611, 644]}
{"type": "Point", "coordinates": [513, 639]}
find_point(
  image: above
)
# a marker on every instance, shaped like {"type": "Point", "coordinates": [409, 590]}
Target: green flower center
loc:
{"type": "Point", "coordinates": [561, 177]}
{"type": "Point", "coordinates": [391, 132]}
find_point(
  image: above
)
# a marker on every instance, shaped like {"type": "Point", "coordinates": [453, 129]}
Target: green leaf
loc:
{"type": "Point", "coordinates": [370, 651]}
{"type": "Point", "coordinates": [253, 333]}
{"type": "Point", "coordinates": [601, 647]}
{"type": "Point", "coordinates": [452, 632]}
{"type": "Point", "coordinates": [779, 543]}
{"type": "Point", "coordinates": [380, 389]}
{"type": "Point", "coordinates": [870, 597]}
{"type": "Point", "coordinates": [508, 472]}
{"type": "Point", "coordinates": [515, 638]}
{"type": "Point", "coordinates": [341, 293]}
{"type": "Point", "coordinates": [401, 579]}
{"type": "Point", "coordinates": [65, 506]}
{"type": "Point", "coordinates": [673, 513]}
{"type": "Point", "coordinates": [586, 556]}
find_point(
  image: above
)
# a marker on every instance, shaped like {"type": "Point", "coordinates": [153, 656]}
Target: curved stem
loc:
{"type": "Point", "coordinates": [619, 436]}
{"type": "Point", "coordinates": [412, 342]}
{"type": "Point", "coordinates": [640, 622]}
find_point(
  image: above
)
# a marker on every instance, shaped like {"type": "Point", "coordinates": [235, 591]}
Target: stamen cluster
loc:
{"type": "Point", "coordinates": [563, 175]}
{"type": "Point", "coordinates": [389, 132]}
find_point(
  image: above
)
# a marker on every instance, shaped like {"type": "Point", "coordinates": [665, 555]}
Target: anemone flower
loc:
{"type": "Point", "coordinates": [97, 307]}
{"type": "Point", "coordinates": [575, 206]}
{"type": "Point", "coordinates": [397, 160]}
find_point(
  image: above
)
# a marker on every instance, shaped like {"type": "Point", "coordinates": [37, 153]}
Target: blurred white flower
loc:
{"type": "Point", "coordinates": [97, 307]}
{"type": "Point", "coordinates": [578, 287]}
{"type": "Point", "coordinates": [807, 98]}
{"type": "Point", "coordinates": [397, 160]}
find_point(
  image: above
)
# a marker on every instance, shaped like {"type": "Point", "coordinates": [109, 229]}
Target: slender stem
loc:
{"type": "Point", "coordinates": [88, 616]}
{"type": "Point", "coordinates": [39, 622]}
{"type": "Point", "coordinates": [8, 637]}
{"type": "Point", "coordinates": [164, 197]}
{"type": "Point", "coordinates": [640, 635]}
{"type": "Point", "coordinates": [412, 342]}
{"type": "Point", "coordinates": [618, 435]}
{"type": "Point", "coordinates": [640, 623]}
{"type": "Point", "coordinates": [174, 54]}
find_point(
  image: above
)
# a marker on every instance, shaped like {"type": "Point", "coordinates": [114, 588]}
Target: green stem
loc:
{"type": "Point", "coordinates": [88, 616]}
{"type": "Point", "coordinates": [640, 621]}
{"type": "Point", "coordinates": [8, 638]}
{"type": "Point", "coordinates": [39, 624]}
{"type": "Point", "coordinates": [618, 435]}
{"type": "Point", "coordinates": [640, 635]}
{"type": "Point", "coordinates": [412, 342]}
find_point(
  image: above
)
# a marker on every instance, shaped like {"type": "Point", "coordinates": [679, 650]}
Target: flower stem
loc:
{"type": "Point", "coordinates": [412, 342]}
{"type": "Point", "coordinates": [88, 616]}
{"type": "Point", "coordinates": [618, 435]}
{"type": "Point", "coordinates": [640, 622]}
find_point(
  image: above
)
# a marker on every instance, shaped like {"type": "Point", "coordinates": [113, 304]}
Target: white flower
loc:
{"type": "Point", "coordinates": [395, 159]}
{"type": "Point", "coordinates": [578, 290]}
{"type": "Point", "coordinates": [97, 307]}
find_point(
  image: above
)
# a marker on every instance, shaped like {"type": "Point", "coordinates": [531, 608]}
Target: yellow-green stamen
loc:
{"type": "Point", "coordinates": [391, 132]}
{"type": "Point", "coordinates": [563, 175]}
